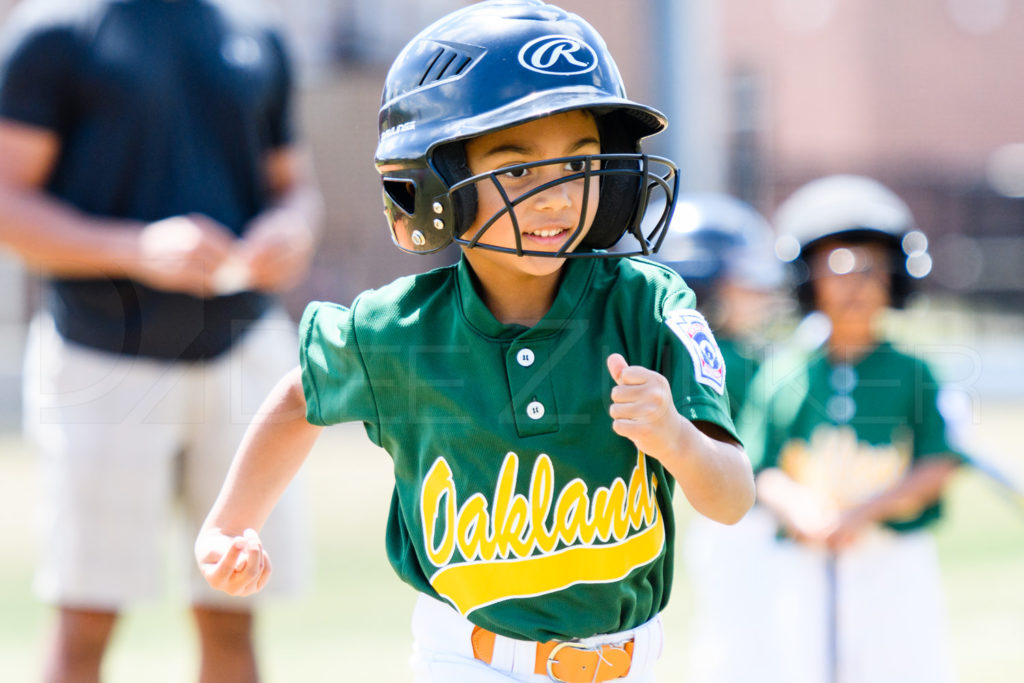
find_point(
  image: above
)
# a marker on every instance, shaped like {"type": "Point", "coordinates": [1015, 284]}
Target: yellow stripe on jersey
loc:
{"type": "Point", "coordinates": [478, 584]}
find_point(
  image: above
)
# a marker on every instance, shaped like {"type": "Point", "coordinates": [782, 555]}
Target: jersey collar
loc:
{"type": "Point", "coordinates": [571, 293]}
{"type": "Point", "coordinates": [880, 349]}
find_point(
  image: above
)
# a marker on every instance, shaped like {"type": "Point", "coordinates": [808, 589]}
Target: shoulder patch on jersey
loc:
{"type": "Point", "coordinates": [693, 330]}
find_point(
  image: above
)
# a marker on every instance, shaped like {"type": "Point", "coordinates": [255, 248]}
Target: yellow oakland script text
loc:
{"type": "Point", "coordinates": [509, 545]}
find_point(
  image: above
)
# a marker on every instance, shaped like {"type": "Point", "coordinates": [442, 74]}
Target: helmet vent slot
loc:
{"type": "Point", "coordinates": [426, 73]}
{"type": "Point", "coordinates": [402, 193]}
{"type": "Point", "coordinates": [465, 62]}
{"type": "Point", "coordinates": [447, 60]}
{"type": "Point", "coordinates": [445, 63]}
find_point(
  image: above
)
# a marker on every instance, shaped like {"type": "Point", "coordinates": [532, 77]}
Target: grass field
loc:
{"type": "Point", "coordinates": [353, 623]}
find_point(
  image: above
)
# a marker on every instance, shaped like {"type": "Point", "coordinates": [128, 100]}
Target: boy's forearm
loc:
{"type": "Point", "coordinates": [777, 492]}
{"type": "Point", "coordinates": [715, 475]}
{"type": "Point", "coordinates": [921, 487]}
{"type": "Point", "coordinates": [269, 457]}
{"type": "Point", "coordinates": [773, 485]}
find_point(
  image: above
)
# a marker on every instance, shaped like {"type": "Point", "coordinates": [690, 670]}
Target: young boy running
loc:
{"type": "Point", "coordinates": [539, 402]}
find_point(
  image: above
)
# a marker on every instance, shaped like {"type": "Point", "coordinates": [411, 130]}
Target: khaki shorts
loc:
{"type": "Point", "coordinates": [132, 453]}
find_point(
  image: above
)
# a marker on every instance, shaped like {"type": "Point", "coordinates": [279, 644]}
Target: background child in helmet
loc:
{"type": "Point", "coordinates": [725, 251]}
{"type": "Point", "coordinates": [538, 406]}
{"type": "Point", "coordinates": [852, 453]}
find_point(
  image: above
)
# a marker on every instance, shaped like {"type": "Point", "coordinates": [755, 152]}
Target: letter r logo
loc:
{"type": "Point", "coordinates": [558, 55]}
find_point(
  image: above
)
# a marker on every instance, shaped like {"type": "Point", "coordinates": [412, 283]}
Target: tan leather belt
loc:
{"type": "Point", "coordinates": [567, 662]}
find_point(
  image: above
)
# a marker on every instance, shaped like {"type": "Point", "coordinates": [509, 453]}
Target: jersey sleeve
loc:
{"type": "Point", "coordinates": [693, 363]}
{"type": "Point", "coordinates": [931, 432]}
{"type": "Point", "coordinates": [754, 428]}
{"type": "Point", "coordinates": [932, 439]}
{"type": "Point", "coordinates": [334, 378]}
{"type": "Point", "coordinates": [37, 71]}
{"type": "Point", "coordinates": [764, 419]}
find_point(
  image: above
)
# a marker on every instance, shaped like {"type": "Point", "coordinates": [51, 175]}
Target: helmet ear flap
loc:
{"type": "Point", "coordinates": [450, 163]}
{"type": "Point", "coordinates": [620, 194]}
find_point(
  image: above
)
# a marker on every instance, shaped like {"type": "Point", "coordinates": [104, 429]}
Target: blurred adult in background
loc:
{"type": "Point", "coordinates": [852, 452]}
{"type": "Point", "coordinates": [725, 250]}
{"type": "Point", "coordinates": [149, 168]}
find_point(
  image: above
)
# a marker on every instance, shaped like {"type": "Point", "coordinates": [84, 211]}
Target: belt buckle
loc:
{"type": "Point", "coordinates": [552, 661]}
{"type": "Point", "coordinates": [574, 645]}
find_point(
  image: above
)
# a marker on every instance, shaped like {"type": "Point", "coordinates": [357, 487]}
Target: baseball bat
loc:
{"type": "Point", "coordinates": [1003, 482]}
{"type": "Point", "coordinates": [832, 616]}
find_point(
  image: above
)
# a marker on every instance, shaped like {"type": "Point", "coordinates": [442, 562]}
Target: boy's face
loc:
{"type": "Point", "coordinates": [743, 310]}
{"type": "Point", "coordinates": [851, 281]}
{"type": "Point", "coordinates": [548, 219]}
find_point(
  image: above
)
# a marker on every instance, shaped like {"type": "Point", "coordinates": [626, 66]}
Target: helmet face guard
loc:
{"type": "Point", "coordinates": [630, 179]}
{"type": "Point", "coordinates": [492, 66]}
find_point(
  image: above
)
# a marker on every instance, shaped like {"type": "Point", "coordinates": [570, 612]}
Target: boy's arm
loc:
{"type": "Point", "coordinates": [709, 465]}
{"type": "Point", "coordinates": [923, 485]}
{"type": "Point", "coordinates": [228, 549]}
{"type": "Point", "coordinates": [809, 518]}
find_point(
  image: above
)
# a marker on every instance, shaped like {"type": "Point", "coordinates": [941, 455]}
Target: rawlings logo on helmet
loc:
{"type": "Point", "coordinates": [558, 55]}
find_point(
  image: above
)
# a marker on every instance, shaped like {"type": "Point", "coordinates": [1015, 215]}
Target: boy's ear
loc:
{"type": "Point", "coordinates": [450, 163]}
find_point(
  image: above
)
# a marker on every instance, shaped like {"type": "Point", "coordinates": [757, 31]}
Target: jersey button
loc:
{"type": "Point", "coordinates": [535, 410]}
{"type": "Point", "coordinates": [525, 357]}
{"type": "Point", "coordinates": [841, 409]}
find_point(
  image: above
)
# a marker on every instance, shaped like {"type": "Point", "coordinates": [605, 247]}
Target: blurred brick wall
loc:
{"type": "Point", "coordinates": [917, 93]}
{"type": "Point", "coordinates": [869, 82]}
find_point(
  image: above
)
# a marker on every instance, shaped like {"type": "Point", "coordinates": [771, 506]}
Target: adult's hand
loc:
{"type": "Point", "coordinates": [182, 253]}
{"type": "Point", "coordinates": [276, 250]}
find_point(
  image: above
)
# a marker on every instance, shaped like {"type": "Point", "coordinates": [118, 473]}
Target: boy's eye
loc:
{"type": "Point", "coordinates": [515, 172]}
{"type": "Point", "coordinates": [576, 165]}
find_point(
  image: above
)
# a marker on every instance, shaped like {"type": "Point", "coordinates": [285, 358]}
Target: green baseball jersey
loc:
{"type": "Point", "coordinates": [849, 431]}
{"type": "Point", "coordinates": [514, 500]}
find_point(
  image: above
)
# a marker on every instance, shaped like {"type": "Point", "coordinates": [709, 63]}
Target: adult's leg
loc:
{"type": "Point", "coordinates": [77, 646]}
{"type": "Point", "coordinates": [226, 652]}
{"type": "Point", "coordinates": [105, 444]}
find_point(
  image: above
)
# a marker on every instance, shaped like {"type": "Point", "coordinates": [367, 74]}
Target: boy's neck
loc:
{"type": "Point", "coordinates": [517, 298]}
{"type": "Point", "coordinates": [851, 343]}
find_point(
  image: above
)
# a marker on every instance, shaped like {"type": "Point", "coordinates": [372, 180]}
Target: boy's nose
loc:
{"type": "Point", "coordinates": [555, 198]}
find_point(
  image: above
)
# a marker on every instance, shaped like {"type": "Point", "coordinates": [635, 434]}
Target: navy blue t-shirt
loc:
{"type": "Point", "coordinates": [162, 108]}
